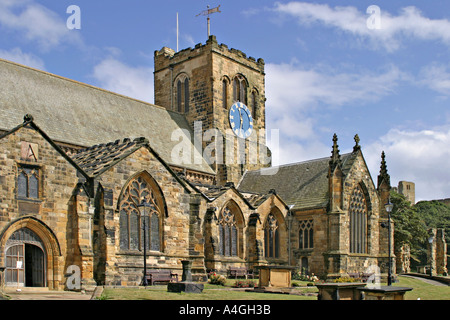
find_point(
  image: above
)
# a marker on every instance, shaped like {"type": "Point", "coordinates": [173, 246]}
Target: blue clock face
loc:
{"type": "Point", "coordinates": [241, 121]}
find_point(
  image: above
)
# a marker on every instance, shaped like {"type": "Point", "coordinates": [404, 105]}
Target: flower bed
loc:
{"type": "Point", "coordinates": [244, 284]}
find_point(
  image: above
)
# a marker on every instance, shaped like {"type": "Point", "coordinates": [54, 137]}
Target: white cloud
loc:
{"type": "Point", "coordinates": [27, 59]}
{"type": "Point", "coordinates": [295, 96]}
{"type": "Point", "coordinates": [34, 22]}
{"type": "Point", "coordinates": [410, 23]}
{"type": "Point", "coordinates": [290, 85]}
{"type": "Point", "coordinates": [417, 156]}
{"type": "Point", "coordinates": [436, 77]}
{"type": "Point", "coordinates": [116, 76]}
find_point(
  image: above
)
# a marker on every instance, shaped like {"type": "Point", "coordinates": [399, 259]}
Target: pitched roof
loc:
{"type": "Point", "coordinates": [80, 114]}
{"type": "Point", "coordinates": [28, 122]}
{"type": "Point", "coordinates": [303, 185]}
{"type": "Point", "coordinates": [97, 159]}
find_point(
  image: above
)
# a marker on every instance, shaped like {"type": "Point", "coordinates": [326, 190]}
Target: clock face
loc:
{"type": "Point", "coordinates": [241, 121]}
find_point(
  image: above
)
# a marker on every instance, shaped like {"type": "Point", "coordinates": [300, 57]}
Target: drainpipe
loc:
{"type": "Point", "coordinates": [290, 218]}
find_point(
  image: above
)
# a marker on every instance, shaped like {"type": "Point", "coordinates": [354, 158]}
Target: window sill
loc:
{"type": "Point", "coordinates": [23, 199]}
{"type": "Point", "coordinates": [139, 253]}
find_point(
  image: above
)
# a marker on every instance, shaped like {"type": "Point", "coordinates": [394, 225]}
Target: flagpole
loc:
{"type": "Point", "coordinates": [209, 26]}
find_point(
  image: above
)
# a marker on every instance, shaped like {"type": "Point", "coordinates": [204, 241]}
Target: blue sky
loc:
{"type": "Point", "coordinates": [326, 71]}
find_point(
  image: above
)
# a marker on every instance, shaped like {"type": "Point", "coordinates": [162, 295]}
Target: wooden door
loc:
{"type": "Point", "coordinates": [34, 266]}
{"type": "Point", "coordinates": [15, 266]}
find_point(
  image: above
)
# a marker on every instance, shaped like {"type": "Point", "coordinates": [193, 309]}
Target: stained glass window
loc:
{"type": "Point", "coordinates": [228, 233]}
{"type": "Point", "coordinates": [306, 234]}
{"type": "Point", "coordinates": [28, 183]}
{"type": "Point", "coordinates": [271, 237]}
{"type": "Point", "coordinates": [358, 221]}
{"type": "Point", "coordinates": [133, 218]}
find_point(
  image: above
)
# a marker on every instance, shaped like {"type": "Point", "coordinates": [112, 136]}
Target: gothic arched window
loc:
{"type": "Point", "coordinates": [306, 235]}
{"type": "Point", "coordinates": [182, 94]}
{"type": "Point", "coordinates": [358, 221]}
{"type": "Point", "coordinates": [240, 89]}
{"type": "Point", "coordinates": [271, 237]}
{"type": "Point", "coordinates": [228, 233]}
{"type": "Point", "coordinates": [225, 93]}
{"type": "Point", "coordinates": [133, 218]}
{"type": "Point", "coordinates": [28, 183]}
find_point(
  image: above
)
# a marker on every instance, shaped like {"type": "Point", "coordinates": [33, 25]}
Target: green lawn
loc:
{"type": "Point", "coordinates": [211, 292]}
{"type": "Point", "coordinates": [421, 290]}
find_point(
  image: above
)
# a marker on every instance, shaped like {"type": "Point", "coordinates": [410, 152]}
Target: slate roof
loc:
{"type": "Point", "coordinates": [97, 159]}
{"type": "Point", "coordinates": [303, 185]}
{"type": "Point", "coordinates": [79, 114]}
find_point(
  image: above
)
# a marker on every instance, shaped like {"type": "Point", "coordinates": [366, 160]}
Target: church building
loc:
{"type": "Point", "coordinates": [91, 179]}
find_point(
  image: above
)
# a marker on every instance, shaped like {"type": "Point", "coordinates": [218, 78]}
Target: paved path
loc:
{"type": "Point", "coordinates": [430, 281]}
{"type": "Point", "coordinates": [49, 295]}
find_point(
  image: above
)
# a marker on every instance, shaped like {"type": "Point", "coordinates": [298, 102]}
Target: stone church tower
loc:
{"type": "Point", "coordinates": [203, 84]}
{"type": "Point", "coordinates": [74, 200]}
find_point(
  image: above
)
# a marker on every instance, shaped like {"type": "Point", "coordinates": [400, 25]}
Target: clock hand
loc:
{"type": "Point", "coordinates": [240, 116]}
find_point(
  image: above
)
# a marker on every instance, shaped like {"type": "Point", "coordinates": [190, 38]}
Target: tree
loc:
{"type": "Point", "coordinates": [435, 214]}
{"type": "Point", "coordinates": [409, 228]}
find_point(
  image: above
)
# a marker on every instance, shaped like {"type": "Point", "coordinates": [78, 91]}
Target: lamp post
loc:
{"type": "Point", "coordinates": [144, 205]}
{"type": "Point", "coordinates": [389, 206]}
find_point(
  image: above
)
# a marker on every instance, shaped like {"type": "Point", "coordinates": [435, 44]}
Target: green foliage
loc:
{"type": "Point", "coordinates": [244, 284]}
{"type": "Point", "coordinates": [217, 279]}
{"type": "Point", "coordinates": [303, 276]}
{"type": "Point", "coordinates": [409, 228]}
{"type": "Point", "coordinates": [345, 279]}
{"type": "Point", "coordinates": [411, 223]}
{"type": "Point", "coordinates": [435, 215]}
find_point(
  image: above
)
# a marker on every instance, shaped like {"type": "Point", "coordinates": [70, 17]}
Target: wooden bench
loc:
{"type": "Point", "coordinates": [240, 272]}
{"type": "Point", "coordinates": [154, 276]}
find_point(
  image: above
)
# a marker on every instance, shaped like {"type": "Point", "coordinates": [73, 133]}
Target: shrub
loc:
{"type": "Point", "coordinates": [344, 279]}
{"type": "Point", "coordinates": [302, 276]}
{"type": "Point", "coordinates": [244, 284]}
{"type": "Point", "coordinates": [217, 279]}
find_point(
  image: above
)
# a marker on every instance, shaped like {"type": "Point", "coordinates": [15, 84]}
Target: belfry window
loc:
{"type": "Point", "coordinates": [228, 233]}
{"type": "Point", "coordinates": [133, 218]}
{"type": "Point", "coordinates": [240, 90]}
{"type": "Point", "coordinates": [28, 183]}
{"type": "Point", "coordinates": [358, 221]}
{"type": "Point", "coordinates": [182, 95]}
{"type": "Point", "coordinates": [225, 93]}
{"type": "Point", "coordinates": [271, 237]}
{"type": "Point", "coordinates": [306, 235]}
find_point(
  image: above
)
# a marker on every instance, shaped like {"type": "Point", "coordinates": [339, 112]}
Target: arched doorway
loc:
{"type": "Point", "coordinates": [25, 260]}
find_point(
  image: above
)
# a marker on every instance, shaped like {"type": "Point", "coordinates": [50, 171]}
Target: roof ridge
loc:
{"type": "Point", "coordinates": [140, 140]}
{"type": "Point", "coordinates": [85, 85]}
{"type": "Point", "coordinates": [298, 163]}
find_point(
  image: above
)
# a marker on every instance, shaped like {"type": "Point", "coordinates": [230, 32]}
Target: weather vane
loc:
{"type": "Point", "coordinates": [209, 12]}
